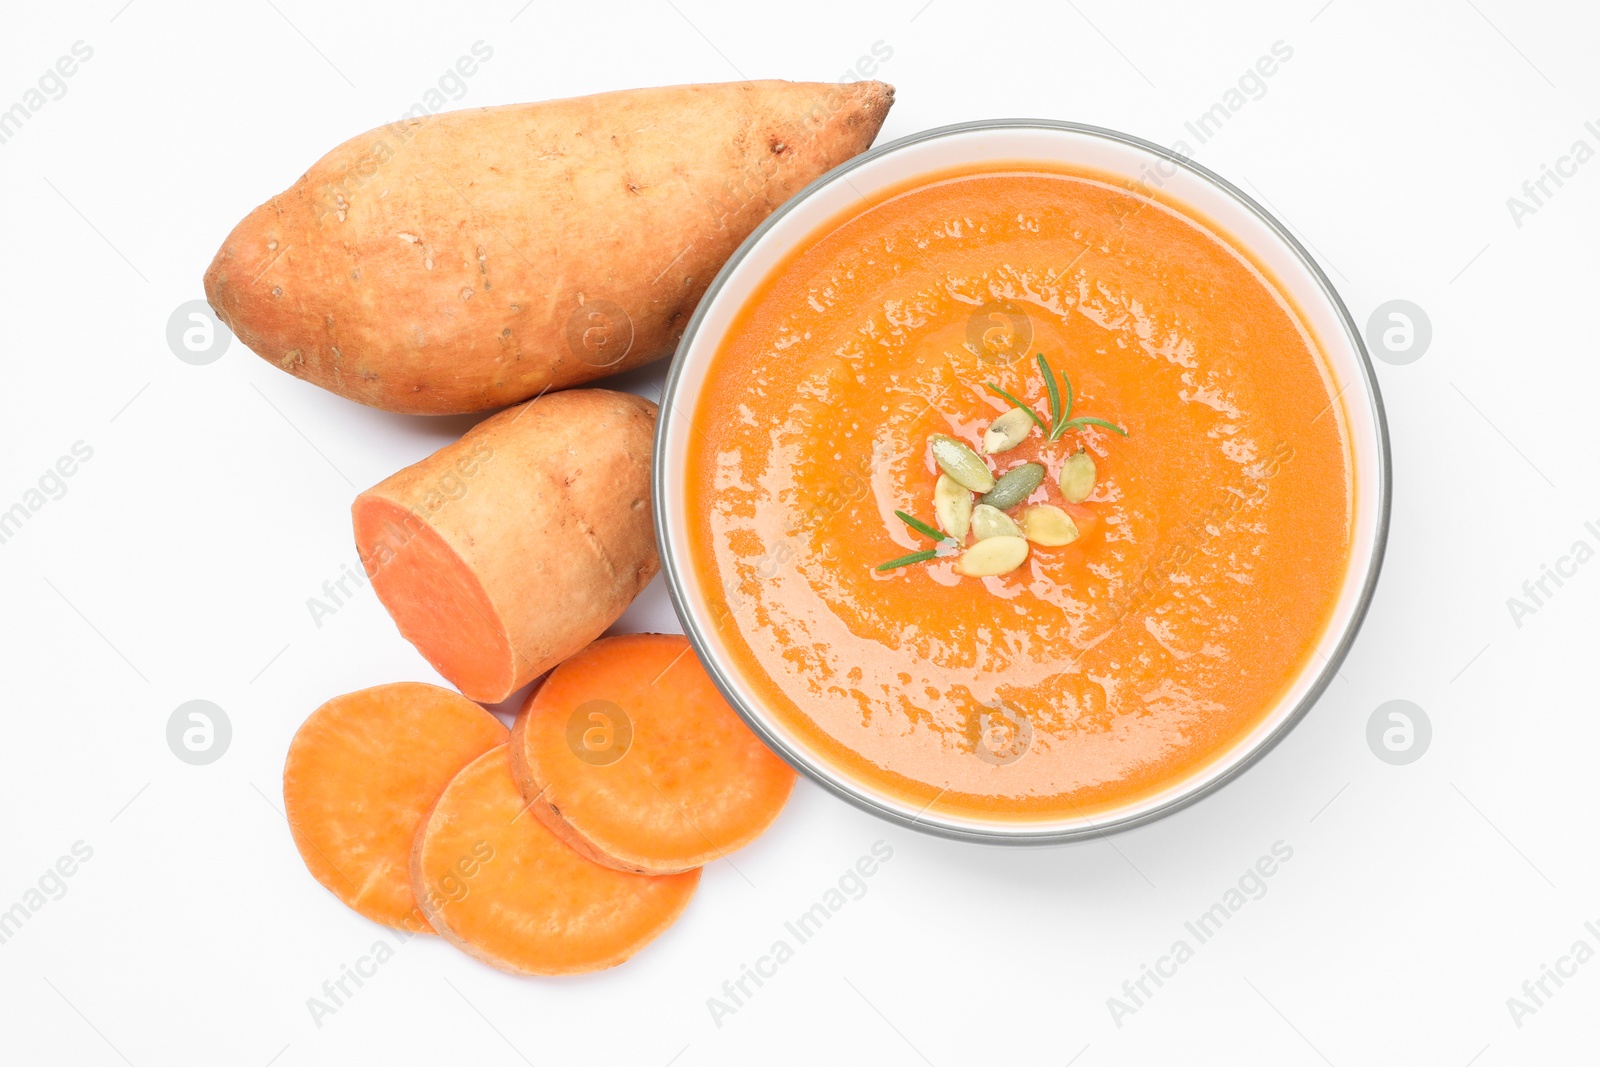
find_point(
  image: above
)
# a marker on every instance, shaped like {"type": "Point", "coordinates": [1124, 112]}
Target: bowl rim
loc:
{"type": "Point", "coordinates": [1021, 832]}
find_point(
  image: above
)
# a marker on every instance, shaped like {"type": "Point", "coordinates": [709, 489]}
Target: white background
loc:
{"type": "Point", "coordinates": [178, 564]}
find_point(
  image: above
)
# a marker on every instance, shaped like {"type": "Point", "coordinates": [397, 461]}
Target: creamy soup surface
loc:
{"type": "Point", "coordinates": [1209, 553]}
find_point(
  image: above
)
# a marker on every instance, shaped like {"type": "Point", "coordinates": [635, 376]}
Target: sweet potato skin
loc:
{"type": "Point", "coordinates": [546, 507]}
{"type": "Point", "coordinates": [471, 259]}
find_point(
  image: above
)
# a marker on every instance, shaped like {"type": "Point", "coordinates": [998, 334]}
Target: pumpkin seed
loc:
{"type": "Point", "coordinates": [992, 556]}
{"type": "Point", "coordinates": [1077, 477]}
{"type": "Point", "coordinates": [1007, 432]}
{"type": "Point", "coordinates": [952, 503]}
{"type": "Point", "coordinates": [961, 463]}
{"type": "Point", "coordinates": [1014, 486]}
{"type": "Point", "coordinates": [1048, 525]}
{"type": "Point", "coordinates": [989, 521]}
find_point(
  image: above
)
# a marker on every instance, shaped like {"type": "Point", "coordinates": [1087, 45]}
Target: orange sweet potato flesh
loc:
{"type": "Point", "coordinates": [629, 753]}
{"type": "Point", "coordinates": [361, 774]}
{"type": "Point", "coordinates": [499, 886]}
{"type": "Point", "coordinates": [502, 554]}
{"type": "Point", "coordinates": [467, 260]}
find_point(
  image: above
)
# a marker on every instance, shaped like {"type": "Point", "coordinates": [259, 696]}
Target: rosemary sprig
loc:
{"type": "Point", "coordinates": [1054, 394]}
{"type": "Point", "coordinates": [920, 526]}
{"type": "Point", "coordinates": [1089, 420]}
{"type": "Point", "coordinates": [1061, 419]}
{"type": "Point", "coordinates": [1071, 394]}
{"type": "Point", "coordinates": [906, 561]}
{"type": "Point", "coordinates": [926, 554]}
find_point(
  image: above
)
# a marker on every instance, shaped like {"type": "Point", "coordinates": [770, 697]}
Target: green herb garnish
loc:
{"type": "Point", "coordinates": [920, 526]}
{"type": "Point", "coordinates": [1061, 419]}
{"type": "Point", "coordinates": [1087, 420]}
{"type": "Point", "coordinates": [906, 561]}
{"type": "Point", "coordinates": [926, 554]}
{"type": "Point", "coordinates": [1055, 397]}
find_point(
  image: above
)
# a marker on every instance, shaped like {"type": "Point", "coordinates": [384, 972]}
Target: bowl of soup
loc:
{"type": "Point", "coordinates": [1021, 480]}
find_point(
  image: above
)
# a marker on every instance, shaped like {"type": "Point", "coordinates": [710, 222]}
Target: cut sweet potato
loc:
{"type": "Point", "coordinates": [498, 885]}
{"type": "Point", "coordinates": [502, 554]}
{"type": "Point", "coordinates": [362, 772]}
{"type": "Point", "coordinates": [630, 754]}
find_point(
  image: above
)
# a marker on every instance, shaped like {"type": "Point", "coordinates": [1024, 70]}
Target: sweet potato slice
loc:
{"type": "Point", "coordinates": [362, 772]}
{"type": "Point", "coordinates": [500, 555]}
{"type": "Point", "coordinates": [499, 886]}
{"type": "Point", "coordinates": [629, 753]}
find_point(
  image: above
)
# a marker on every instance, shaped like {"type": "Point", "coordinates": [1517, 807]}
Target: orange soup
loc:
{"type": "Point", "coordinates": [1173, 529]}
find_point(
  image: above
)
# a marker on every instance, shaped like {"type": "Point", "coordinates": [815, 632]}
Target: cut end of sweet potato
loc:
{"type": "Point", "coordinates": [436, 600]}
{"type": "Point", "coordinates": [630, 754]}
{"type": "Point", "coordinates": [362, 772]}
{"type": "Point", "coordinates": [497, 884]}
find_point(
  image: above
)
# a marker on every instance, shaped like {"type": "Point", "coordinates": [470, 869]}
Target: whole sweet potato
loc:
{"type": "Point", "coordinates": [504, 553]}
{"type": "Point", "coordinates": [472, 259]}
